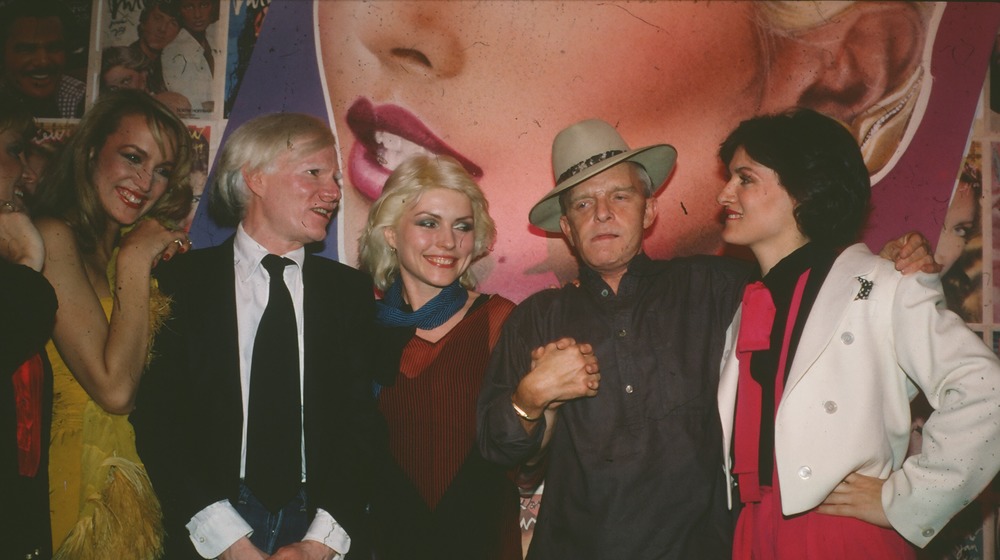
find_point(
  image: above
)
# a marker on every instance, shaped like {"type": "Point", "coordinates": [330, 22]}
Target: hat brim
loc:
{"type": "Point", "coordinates": [658, 161]}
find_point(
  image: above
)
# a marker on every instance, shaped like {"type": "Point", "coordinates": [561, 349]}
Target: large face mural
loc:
{"type": "Point", "coordinates": [491, 83]}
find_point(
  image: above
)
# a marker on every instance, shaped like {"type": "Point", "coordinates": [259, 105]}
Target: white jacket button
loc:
{"type": "Point", "coordinates": [830, 407]}
{"type": "Point", "coordinates": [928, 532]}
{"type": "Point", "coordinates": [805, 472]}
{"type": "Point", "coordinates": [847, 338]}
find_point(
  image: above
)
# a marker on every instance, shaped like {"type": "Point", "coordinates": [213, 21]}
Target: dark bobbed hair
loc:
{"type": "Point", "coordinates": [818, 162]}
{"type": "Point", "coordinates": [67, 190]}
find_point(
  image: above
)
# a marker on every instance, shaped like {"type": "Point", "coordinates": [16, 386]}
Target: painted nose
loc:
{"type": "Point", "coordinates": [413, 40]}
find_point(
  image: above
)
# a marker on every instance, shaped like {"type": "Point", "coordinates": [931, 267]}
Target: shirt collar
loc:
{"type": "Point", "coordinates": [782, 277]}
{"type": "Point", "coordinates": [247, 254]}
{"type": "Point", "coordinates": [637, 267]}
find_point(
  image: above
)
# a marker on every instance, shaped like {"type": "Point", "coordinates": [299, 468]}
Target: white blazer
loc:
{"type": "Point", "coordinates": [845, 406]}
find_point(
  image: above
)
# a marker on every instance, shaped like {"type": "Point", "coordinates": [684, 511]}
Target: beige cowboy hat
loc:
{"type": "Point", "coordinates": [585, 149]}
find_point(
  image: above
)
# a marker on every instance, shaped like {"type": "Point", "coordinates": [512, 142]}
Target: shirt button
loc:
{"type": "Point", "coordinates": [847, 338]}
{"type": "Point", "coordinates": [830, 407]}
{"type": "Point", "coordinates": [928, 532]}
{"type": "Point", "coordinates": [604, 292]}
{"type": "Point", "coordinates": [628, 389]}
{"type": "Point", "coordinates": [805, 472]}
{"type": "Point", "coordinates": [622, 333]}
{"type": "Point", "coordinates": [201, 539]}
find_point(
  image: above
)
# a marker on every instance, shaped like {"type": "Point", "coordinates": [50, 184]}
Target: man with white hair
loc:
{"type": "Point", "coordinates": [255, 419]}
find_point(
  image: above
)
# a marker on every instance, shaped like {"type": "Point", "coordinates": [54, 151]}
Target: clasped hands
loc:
{"type": "Point", "coordinates": [561, 371]}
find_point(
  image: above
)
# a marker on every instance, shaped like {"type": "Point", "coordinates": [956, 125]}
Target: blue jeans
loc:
{"type": "Point", "coordinates": [272, 531]}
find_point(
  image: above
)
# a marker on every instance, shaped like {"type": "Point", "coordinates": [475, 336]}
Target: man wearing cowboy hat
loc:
{"type": "Point", "coordinates": [611, 382]}
{"type": "Point", "coordinates": [623, 403]}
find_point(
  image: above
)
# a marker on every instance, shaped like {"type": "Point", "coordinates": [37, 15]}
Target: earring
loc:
{"type": "Point", "coordinates": [881, 128]}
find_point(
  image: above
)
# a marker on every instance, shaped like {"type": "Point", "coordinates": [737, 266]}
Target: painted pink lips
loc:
{"type": "Point", "coordinates": [385, 136]}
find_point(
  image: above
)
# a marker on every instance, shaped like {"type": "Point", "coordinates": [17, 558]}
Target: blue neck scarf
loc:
{"type": "Point", "coordinates": [392, 311]}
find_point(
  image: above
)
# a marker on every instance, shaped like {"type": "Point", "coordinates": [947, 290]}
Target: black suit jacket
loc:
{"type": "Point", "coordinates": [27, 312]}
{"type": "Point", "coordinates": [188, 416]}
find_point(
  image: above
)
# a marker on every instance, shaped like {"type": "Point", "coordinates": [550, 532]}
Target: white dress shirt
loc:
{"type": "Point", "coordinates": [218, 526]}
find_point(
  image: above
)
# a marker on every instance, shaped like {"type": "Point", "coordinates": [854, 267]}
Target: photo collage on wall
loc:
{"type": "Point", "coordinates": [968, 247]}
{"type": "Point", "coordinates": [189, 54]}
{"type": "Point", "coordinates": [969, 251]}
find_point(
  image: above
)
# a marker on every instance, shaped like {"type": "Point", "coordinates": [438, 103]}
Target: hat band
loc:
{"type": "Point", "coordinates": [592, 160]}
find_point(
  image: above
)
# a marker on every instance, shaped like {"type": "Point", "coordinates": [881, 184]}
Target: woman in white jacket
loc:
{"type": "Point", "coordinates": [832, 345]}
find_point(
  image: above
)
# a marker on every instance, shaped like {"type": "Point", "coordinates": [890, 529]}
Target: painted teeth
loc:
{"type": "Point", "coordinates": [393, 150]}
{"type": "Point", "coordinates": [323, 211]}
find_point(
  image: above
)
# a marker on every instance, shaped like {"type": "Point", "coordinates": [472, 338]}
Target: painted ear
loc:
{"type": "Point", "coordinates": [857, 59]}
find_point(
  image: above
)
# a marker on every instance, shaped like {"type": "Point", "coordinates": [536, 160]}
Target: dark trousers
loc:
{"type": "Point", "coordinates": [272, 531]}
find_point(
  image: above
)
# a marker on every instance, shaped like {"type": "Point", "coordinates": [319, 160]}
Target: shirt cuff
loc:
{"type": "Point", "coordinates": [325, 529]}
{"type": "Point", "coordinates": [216, 528]}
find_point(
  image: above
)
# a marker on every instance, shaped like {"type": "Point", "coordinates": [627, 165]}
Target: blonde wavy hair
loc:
{"type": "Point", "coordinates": [404, 188]}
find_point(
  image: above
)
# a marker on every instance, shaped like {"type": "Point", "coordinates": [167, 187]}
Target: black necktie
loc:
{"type": "Point", "coordinates": [274, 422]}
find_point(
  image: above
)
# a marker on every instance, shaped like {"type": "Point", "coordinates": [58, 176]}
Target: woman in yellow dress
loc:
{"type": "Point", "coordinates": [127, 160]}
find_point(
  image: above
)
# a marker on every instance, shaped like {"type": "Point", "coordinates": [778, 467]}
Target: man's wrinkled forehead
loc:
{"type": "Point", "coordinates": [626, 176]}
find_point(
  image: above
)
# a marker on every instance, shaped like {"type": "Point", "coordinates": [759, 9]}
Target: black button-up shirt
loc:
{"type": "Point", "coordinates": [635, 472]}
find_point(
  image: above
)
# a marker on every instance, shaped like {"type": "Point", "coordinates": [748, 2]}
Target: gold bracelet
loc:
{"type": "Point", "coordinates": [520, 411]}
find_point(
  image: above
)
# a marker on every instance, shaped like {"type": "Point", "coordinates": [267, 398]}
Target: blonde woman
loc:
{"type": "Point", "coordinates": [436, 497]}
